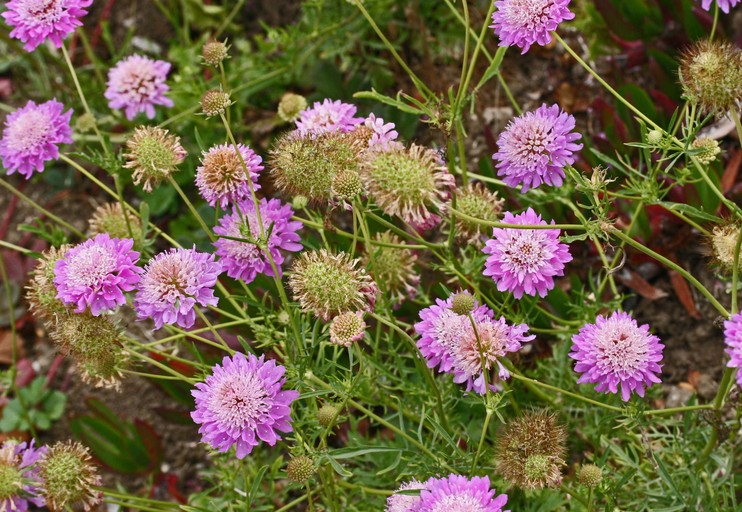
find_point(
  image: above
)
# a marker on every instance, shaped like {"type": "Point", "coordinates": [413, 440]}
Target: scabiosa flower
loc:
{"type": "Point", "coordinates": [70, 477]}
{"type": "Point", "coordinates": [476, 201]}
{"type": "Point", "coordinates": [35, 21]}
{"type": "Point", "coordinates": [535, 148]}
{"type": "Point", "coordinates": [20, 483]}
{"type": "Point", "coordinates": [711, 75]}
{"type": "Point", "coordinates": [525, 260]}
{"type": "Point", "coordinates": [328, 116]}
{"type": "Point", "coordinates": [405, 502]}
{"type": "Point", "coordinates": [32, 136]}
{"type": "Point", "coordinates": [383, 135]}
{"type": "Point", "coordinates": [456, 493]}
{"type": "Point", "coordinates": [616, 351]}
{"type": "Point", "coordinates": [524, 22]}
{"type": "Point", "coordinates": [733, 342]}
{"type": "Point", "coordinates": [241, 403]}
{"type": "Point", "coordinates": [347, 328]}
{"type": "Point", "coordinates": [245, 260]}
{"type": "Point", "coordinates": [407, 182]}
{"type": "Point", "coordinates": [531, 450]}
{"type": "Point", "coordinates": [96, 273]}
{"type": "Point", "coordinates": [153, 154]}
{"type": "Point", "coordinates": [221, 176]}
{"type": "Point", "coordinates": [393, 267]}
{"type": "Point", "coordinates": [173, 283]}
{"type": "Point", "coordinates": [724, 5]}
{"type": "Point", "coordinates": [136, 84]}
{"type": "Point", "coordinates": [330, 284]}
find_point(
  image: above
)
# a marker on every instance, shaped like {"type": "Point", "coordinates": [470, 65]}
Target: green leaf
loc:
{"type": "Point", "coordinates": [690, 211]}
{"type": "Point", "coordinates": [493, 68]}
{"type": "Point", "coordinates": [53, 404]}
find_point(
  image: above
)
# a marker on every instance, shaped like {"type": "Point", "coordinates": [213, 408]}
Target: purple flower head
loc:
{"type": "Point", "coordinates": [173, 283]}
{"type": "Point", "coordinates": [616, 351]}
{"type": "Point", "coordinates": [724, 5]}
{"type": "Point", "coordinates": [245, 260]}
{"type": "Point", "coordinates": [405, 502]}
{"type": "Point", "coordinates": [19, 469]}
{"type": "Point", "coordinates": [35, 21]}
{"type": "Point", "coordinates": [32, 136]}
{"type": "Point", "coordinates": [524, 22]}
{"type": "Point", "coordinates": [535, 148]}
{"type": "Point", "coordinates": [221, 177]}
{"type": "Point", "coordinates": [525, 260]}
{"type": "Point", "coordinates": [733, 342]}
{"type": "Point", "coordinates": [456, 493]}
{"type": "Point", "coordinates": [96, 273]}
{"type": "Point", "coordinates": [384, 135]}
{"type": "Point", "coordinates": [492, 340]}
{"type": "Point", "coordinates": [241, 403]}
{"type": "Point", "coordinates": [440, 330]}
{"type": "Point", "coordinates": [136, 84]}
{"type": "Point", "coordinates": [328, 116]}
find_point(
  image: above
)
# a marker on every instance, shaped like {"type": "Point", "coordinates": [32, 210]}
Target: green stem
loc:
{"type": "Point", "coordinates": [191, 208]}
{"type": "Point", "coordinates": [575, 227]}
{"type": "Point", "coordinates": [675, 410]}
{"type": "Point", "coordinates": [482, 438]}
{"type": "Point", "coordinates": [41, 209]}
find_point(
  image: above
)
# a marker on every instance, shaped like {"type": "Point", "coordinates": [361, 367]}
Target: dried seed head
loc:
{"type": "Point", "coordinates": [290, 106]}
{"type": "Point", "coordinates": [109, 218]}
{"type": "Point", "coordinates": [479, 202]}
{"type": "Point", "coordinates": [346, 185]}
{"type": "Point", "coordinates": [590, 475]}
{"type": "Point", "coordinates": [307, 164]}
{"type": "Point", "coordinates": [711, 76]}
{"type": "Point", "coordinates": [41, 292]}
{"type": "Point", "coordinates": [69, 477]}
{"type": "Point", "coordinates": [393, 267]}
{"type": "Point", "coordinates": [347, 328]}
{"type": "Point", "coordinates": [153, 154]}
{"type": "Point", "coordinates": [723, 243]}
{"type": "Point", "coordinates": [327, 415]}
{"type": "Point", "coordinates": [330, 284]}
{"type": "Point", "coordinates": [530, 451]}
{"type": "Point", "coordinates": [215, 102]}
{"type": "Point", "coordinates": [463, 303]}
{"type": "Point", "coordinates": [300, 469]}
{"type": "Point", "coordinates": [214, 52]}
{"type": "Point", "coordinates": [709, 149]}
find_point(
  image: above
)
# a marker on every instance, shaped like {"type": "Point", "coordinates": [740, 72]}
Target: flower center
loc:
{"type": "Point", "coordinates": [524, 252]}
{"type": "Point", "coordinates": [171, 277]}
{"type": "Point", "coordinates": [464, 502]}
{"type": "Point", "coordinates": [239, 400]}
{"type": "Point", "coordinates": [223, 171]}
{"type": "Point", "coordinates": [45, 11]}
{"type": "Point", "coordinates": [529, 13]}
{"type": "Point", "coordinates": [449, 329]}
{"type": "Point", "coordinates": [621, 349]}
{"type": "Point", "coordinates": [137, 81]}
{"type": "Point", "coordinates": [28, 131]}
{"type": "Point", "coordinates": [11, 481]}
{"type": "Point", "coordinates": [492, 341]}
{"type": "Point", "coordinates": [90, 267]}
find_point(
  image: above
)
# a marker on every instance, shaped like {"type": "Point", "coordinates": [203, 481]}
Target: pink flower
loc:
{"type": "Point", "coordinates": [405, 502]}
{"type": "Point", "coordinates": [456, 493]}
{"type": "Point", "coordinates": [20, 461]}
{"type": "Point", "coordinates": [384, 135]}
{"type": "Point", "coordinates": [733, 342]}
{"type": "Point", "coordinates": [328, 116]}
{"type": "Point", "coordinates": [524, 22]}
{"type": "Point", "coordinates": [136, 84]}
{"type": "Point", "coordinates": [221, 176]}
{"type": "Point", "coordinates": [525, 260]}
{"type": "Point", "coordinates": [32, 136]}
{"type": "Point", "coordinates": [724, 5]}
{"type": "Point", "coordinates": [35, 21]}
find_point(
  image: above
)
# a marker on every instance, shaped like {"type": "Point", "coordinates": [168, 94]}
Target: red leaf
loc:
{"type": "Point", "coordinates": [731, 172]}
{"type": "Point", "coordinates": [682, 290]}
{"type": "Point", "coordinates": [637, 283]}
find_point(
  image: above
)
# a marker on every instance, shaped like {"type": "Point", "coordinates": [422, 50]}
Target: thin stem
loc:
{"type": "Point", "coordinates": [575, 227]}
{"type": "Point", "coordinates": [191, 208]}
{"type": "Point", "coordinates": [41, 209]}
{"type": "Point", "coordinates": [16, 248]}
{"type": "Point", "coordinates": [482, 438]}
{"type": "Point", "coordinates": [675, 410]}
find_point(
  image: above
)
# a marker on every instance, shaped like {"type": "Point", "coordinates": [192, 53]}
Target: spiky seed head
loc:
{"type": "Point", "coordinates": [85, 123]}
{"type": "Point", "coordinates": [109, 218]}
{"type": "Point", "coordinates": [327, 415]}
{"type": "Point", "coordinates": [290, 106]}
{"type": "Point", "coordinates": [463, 303]}
{"type": "Point", "coordinates": [590, 475]}
{"type": "Point", "coordinates": [476, 200]}
{"type": "Point", "coordinates": [215, 102]}
{"type": "Point", "coordinates": [214, 52]}
{"type": "Point", "coordinates": [723, 242]}
{"type": "Point", "coordinates": [69, 477]}
{"type": "Point", "coordinates": [711, 76]}
{"type": "Point", "coordinates": [393, 267]}
{"type": "Point", "coordinates": [330, 284]}
{"type": "Point", "coordinates": [709, 149]}
{"type": "Point", "coordinates": [407, 182]}
{"type": "Point", "coordinates": [307, 164]}
{"type": "Point", "coordinates": [530, 451]}
{"type": "Point", "coordinates": [347, 328]}
{"type": "Point", "coordinates": [41, 292]}
{"type": "Point", "coordinates": [11, 480]}
{"type": "Point", "coordinates": [300, 469]}
{"type": "Point", "coordinates": [153, 154]}
{"type": "Point", "coordinates": [346, 185]}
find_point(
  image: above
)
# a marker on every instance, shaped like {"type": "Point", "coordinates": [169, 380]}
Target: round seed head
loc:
{"type": "Point", "coordinates": [153, 154]}
{"type": "Point", "coordinates": [290, 106]}
{"type": "Point", "coordinates": [69, 477]}
{"type": "Point", "coordinates": [85, 123]}
{"type": "Point", "coordinates": [711, 76]}
{"type": "Point", "coordinates": [654, 137]}
{"type": "Point", "coordinates": [463, 303]}
{"type": "Point", "coordinates": [590, 475]}
{"type": "Point", "coordinates": [214, 52]}
{"type": "Point", "coordinates": [300, 469]}
{"type": "Point", "coordinates": [347, 328]}
{"type": "Point", "coordinates": [11, 481]}
{"type": "Point", "coordinates": [215, 102]}
{"type": "Point", "coordinates": [41, 292]}
{"type": "Point", "coordinates": [709, 149]}
{"type": "Point", "coordinates": [479, 202]}
{"type": "Point", "coordinates": [327, 415]}
{"type": "Point", "coordinates": [393, 267]}
{"type": "Point", "coordinates": [109, 218]}
{"type": "Point", "coordinates": [723, 243]}
{"type": "Point", "coordinates": [346, 185]}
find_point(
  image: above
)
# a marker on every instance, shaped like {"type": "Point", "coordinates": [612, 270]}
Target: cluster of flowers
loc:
{"type": "Point", "coordinates": [454, 492]}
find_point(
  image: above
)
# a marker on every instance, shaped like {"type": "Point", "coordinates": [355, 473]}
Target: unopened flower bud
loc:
{"type": "Point", "coordinates": [299, 202]}
{"type": "Point", "coordinates": [215, 102]}
{"type": "Point", "coordinates": [300, 469]}
{"type": "Point", "coordinates": [327, 415]}
{"type": "Point", "coordinates": [590, 475]}
{"type": "Point", "coordinates": [347, 184]}
{"type": "Point", "coordinates": [654, 137]}
{"type": "Point", "coordinates": [709, 149]}
{"type": "Point", "coordinates": [85, 123]}
{"type": "Point", "coordinates": [290, 106]}
{"type": "Point", "coordinates": [463, 303]}
{"type": "Point", "coordinates": [214, 52]}
{"type": "Point", "coordinates": [347, 328]}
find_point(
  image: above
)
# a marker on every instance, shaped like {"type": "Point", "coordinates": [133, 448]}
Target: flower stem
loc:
{"type": "Point", "coordinates": [41, 209]}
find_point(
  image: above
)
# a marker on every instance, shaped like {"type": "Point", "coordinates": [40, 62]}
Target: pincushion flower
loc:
{"type": "Point", "coordinates": [524, 22]}
{"type": "Point", "coordinates": [328, 116]}
{"type": "Point", "coordinates": [733, 342]}
{"type": "Point", "coordinates": [35, 21]}
{"type": "Point", "coordinates": [383, 135]}
{"type": "Point", "coordinates": [456, 493]}
{"type": "Point", "coordinates": [136, 84]}
{"type": "Point", "coordinates": [173, 283]}
{"type": "Point", "coordinates": [32, 136]}
{"type": "Point", "coordinates": [405, 502]}
{"type": "Point", "coordinates": [246, 259]}
{"type": "Point", "coordinates": [724, 5]}
{"type": "Point", "coordinates": [96, 273]}
{"type": "Point", "coordinates": [221, 176]}
{"type": "Point", "coordinates": [616, 351]}
{"type": "Point", "coordinates": [535, 148]}
{"type": "Point", "coordinates": [20, 483]}
{"type": "Point", "coordinates": [525, 260]}
{"type": "Point", "coordinates": [241, 403]}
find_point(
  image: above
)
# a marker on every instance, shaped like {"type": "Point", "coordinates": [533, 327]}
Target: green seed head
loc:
{"type": "Point", "coordinates": [711, 76]}
{"type": "Point", "coordinates": [590, 475]}
{"type": "Point", "coordinates": [327, 415]}
{"type": "Point", "coordinates": [215, 102]}
{"type": "Point", "coordinates": [300, 469]}
{"type": "Point", "coordinates": [69, 477]}
{"type": "Point", "coordinates": [476, 201]}
{"type": "Point", "coordinates": [709, 149]}
{"type": "Point", "coordinates": [462, 303]}
{"type": "Point", "coordinates": [11, 479]}
{"type": "Point", "coordinates": [393, 267]}
{"type": "Point", "coordinates": [214, 52]}
{"type": "Point", "coordinates": [109, 218]}
{"type": "Point", "coordinates": [290, 106]}
{"type": "Point", "coordinates": [41, 292]}
{"type": "Point", "coordinates": [153, 154]}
